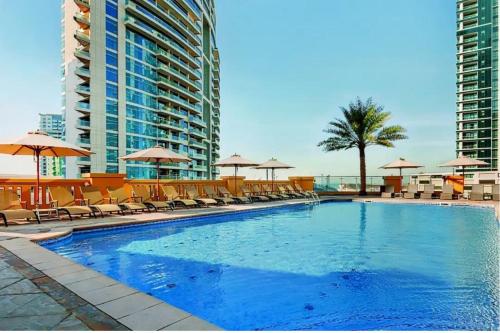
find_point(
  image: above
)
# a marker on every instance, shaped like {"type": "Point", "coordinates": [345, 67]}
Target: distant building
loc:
{"type": "Point", "coordinates": [138, 73]}
{"type": "Point", "coordinates": [477, 116]}
{"type": "Point", "coordinates": [53, 125]}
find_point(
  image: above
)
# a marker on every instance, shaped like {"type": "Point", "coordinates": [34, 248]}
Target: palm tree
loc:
{"type": "Point", "coordinates": [363, 126]}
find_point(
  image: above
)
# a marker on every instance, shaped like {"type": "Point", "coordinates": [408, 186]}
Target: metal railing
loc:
{"type": "Point", "coordinates": [348, 183]}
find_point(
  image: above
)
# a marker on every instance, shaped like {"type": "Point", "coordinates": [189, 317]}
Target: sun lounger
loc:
{"type": "Point", "coordinates": [428, 192]}
{"type": "Point", "coordinates": [11, 208]}
{"type": "Point", "coordinates": [64, 202]}
{"type": "Point", "coordinates": [119, 196]}
{"type": "Point", "coordinates": [495, 194]}
{"type": "Point", "coordinates": [388, 192]}
{"type": "Point", "coordinates": [225, 192]}
{"type": "Point", "coordinates": [142, 192]}
{"type": "Point", "coordinates": [447, 193]}
{"type": "Point", "coordinates": [210, 192]}
{"type": "Point", "coordinates": [412, 191]}
{"type": "Point", "coordinates": [283, 193]}
{"type": "Point", "coordinates": [251, 195]}
{"type": "Point", "coordinates": [193, 194]}
{"type": "Point", "coordinates": [299, 189]}
{"type": "Point", "coordinates": [96, 201]}
{"type": "Point", "coordinates": [292, 191]}
{"type": "Point", "coordinates": [171, 194]}
{"type": "Point", "coordinates": [477, 192]}
{"type": "Point", "coordinates": [269, 193]}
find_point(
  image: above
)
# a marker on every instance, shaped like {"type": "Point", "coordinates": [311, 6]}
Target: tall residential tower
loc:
{"type": "Point", "coordinates": [52, 124]}
{"type": "Point", "coordinates": [477, 81]}
{"type": "Point", "coordinates": [137, 73]}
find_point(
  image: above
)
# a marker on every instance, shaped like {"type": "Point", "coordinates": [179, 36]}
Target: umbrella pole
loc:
{"type": "Point", "coordinates": [400, 180]}
{"type": "Point", "coordinates": [158, 180]}
{"type": "Point", "coordinates": [235, 172]}
{"type": "Point", "coordinates": [37, 193]}
{"type": "Point", "coordinates": [272, 180]}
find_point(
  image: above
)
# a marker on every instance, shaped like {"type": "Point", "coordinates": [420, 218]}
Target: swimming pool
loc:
{"type": "Point", "coordinates": [337, 266]}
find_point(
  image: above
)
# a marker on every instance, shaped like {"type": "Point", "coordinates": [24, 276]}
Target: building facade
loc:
{"type": "Point", "coordinates": [477, 81]}
{"type": "Point", "coordinates": [53, 125]}
{"type": "Point", "coordinates": [137, 73]}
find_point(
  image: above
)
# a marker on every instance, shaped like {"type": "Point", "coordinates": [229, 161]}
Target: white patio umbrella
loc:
{"type": "Point", "coordinates": [38, 144]}
{"type": "Point", "coordinates": [158, 155]}
{"type": "Point", "coordinates": [463, 161]}
{"type": "Point", "coordinates": [401, 164]}
{"type": "Point", "coordinates": [272, 165]}
{"type": "Point", "coordinates": [235, 161]}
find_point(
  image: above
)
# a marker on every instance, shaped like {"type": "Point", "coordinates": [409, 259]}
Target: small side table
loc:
{"type": "Point", "coordinates": [47, 213]}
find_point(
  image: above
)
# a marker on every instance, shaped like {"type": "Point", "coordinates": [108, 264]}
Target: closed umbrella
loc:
{"type": "Point", "coordinates": [272, 165]}
{"type": "Point", "coordinates": [235, 161]}
{"type": "Point", "coordinates": [401, 164]}
{"type": "Point", "coordinates": [39, 143]}
{"type": "Point", "coordinates": [158, 155]}
{"type": "Point", "coordinates": [463, 161]}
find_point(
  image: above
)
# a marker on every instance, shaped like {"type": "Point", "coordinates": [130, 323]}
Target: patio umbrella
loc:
{"type": "Point", "coordinates": [401, 164]}
{"type": "Point", "coordinates": [158, 155]}
{"type": "Point", "coordinates": [235, 161]}
{"type": "Point", "coordinates": [39, 143]}
{"type": "Point", "coordinates": [463, 161]}
{"type": "Point", "coordinates": [272, 165]}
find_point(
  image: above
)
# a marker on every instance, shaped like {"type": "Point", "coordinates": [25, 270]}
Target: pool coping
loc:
{"type": "Point", "coordinates": [128, 306]}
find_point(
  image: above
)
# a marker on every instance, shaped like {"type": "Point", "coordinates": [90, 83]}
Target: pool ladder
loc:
{"type": "Point", "coordinates": [313, 199]}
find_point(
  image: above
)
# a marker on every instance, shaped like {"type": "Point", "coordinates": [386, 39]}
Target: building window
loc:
{"type": "Point", "coordinates": [111, 123]}
{"type": "Point", "coordinates": [111, 74]}
{"type": "Point", "coordinates": [111, 9]}
{"type": "Point", "coordinates": [111, 106]}
{"type": "Point", "coordinates": [111, 42]}
{"type": "Point", "coordinates": [111, 26]}
{"type": "Point", "coordinates": [111, 139]}
{"type": "Point", "coordinates": [111, 90]}
{"type": "Point", "coordinates": [111, 58]}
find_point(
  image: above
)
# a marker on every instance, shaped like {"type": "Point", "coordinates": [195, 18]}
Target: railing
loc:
{"type": "Point", "coordinates": [347, 183]}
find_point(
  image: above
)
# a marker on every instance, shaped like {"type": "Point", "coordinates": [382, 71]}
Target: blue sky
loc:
{"type": "Point", "coordinates": [286, 67]}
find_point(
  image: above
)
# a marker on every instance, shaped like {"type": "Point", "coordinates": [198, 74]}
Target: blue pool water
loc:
{"type": "Point", "coordinates": [337, 266]}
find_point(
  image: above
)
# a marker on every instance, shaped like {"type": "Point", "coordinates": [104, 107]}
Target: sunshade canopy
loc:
{"type": "Point", "coordinates": [42, 143]}
{"type": "Point", "coordinates": [235, 161]}
{"type": "Point", "coordinates": [401, 163]}
{"type": "Point", "coordinates": [157, 154]}
{"type": "Point", "coordinates": [273, 164]}
{"type": "Point", "coordinates": [463, 161]}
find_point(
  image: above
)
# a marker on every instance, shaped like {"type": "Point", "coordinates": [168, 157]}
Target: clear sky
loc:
{"type": "Point", "coordinates": [286, 67]}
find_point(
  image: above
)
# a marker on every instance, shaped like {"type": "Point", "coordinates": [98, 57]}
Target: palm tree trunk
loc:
{"type": "Point", "coordinates": [362, 170]}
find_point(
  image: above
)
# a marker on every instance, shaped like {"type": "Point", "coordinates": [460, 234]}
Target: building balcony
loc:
{"type": "Point", "coordinates": [83, 36]}
{"type": "Point", "coordinates": [83, 19]}
{"type": "Point", "coordinates": [177, 114]}
{"type": "Point", "coordinates": [197, 156]}
{"type": "Point", "coordinates": [169, 58]}
{"type": "Point", "coordinates": [172, 71]}
{"type": "Point", "coordinates": [180, 14]}
{"type": "Point", "coordinates": [171, 125]}
{"type": "Point", "coordinates": [83, 141]}
{"type": "Point", "coordinates": [83, 90]}
{"type": "Point", "coordinates": [169, 84]}
{"type": "Point", "coordinates": [197, 144]}
{"type": "Point", "coordinates": [197, 133]}
{"type": "Point", "coordinates": [82, 55]}
{"type": "Point", "coordinates": [197, 121]}
{"type": "Point", "coordinates": [84, 5]}
{"type": "Point", "coordinates": [82, 107]}
{"type": "Point", "coordinates": [163, 95]}
{"type": "Point", "coordinates": [83, 73]}
{"type": "Point", "coordinates": [83, 124]}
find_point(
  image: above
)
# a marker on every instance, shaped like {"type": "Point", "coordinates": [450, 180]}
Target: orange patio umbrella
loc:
{"type": "Point", "coordinates": [158, 155]}
{"type": "Point", "coordinates": [38, 144]}
{"type": "Point", "coordinates": [463, 161]}
{"type": "Point", "coordinates": [235, 161]}
{"type": "Point", "coordinates": [272, 165]}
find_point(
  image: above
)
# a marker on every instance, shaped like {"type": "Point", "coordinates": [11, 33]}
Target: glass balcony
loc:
{"type": "Point", "coordinates": [197, 132]}
{"type": "Point", "coordinates": [84, 5]}
{"type": "Point", "coordinates": [83, 36]}
{"type": "Point", "coordinates": [169, 70]}
{"type": "Point", "coordinates": [83, 90]}
{"type": "Point", "coordinates": [162, 54]}
{"type": "Point", "coordinates": [82, 54]}
{"type": "Point", "coordinates": [197, 120]}
{"type": "Point", "coordinates": [83, 123]}
{"type": "Point", "coordinates": [180, 101]}
{"type": "Point", "coordinates": [83, 19]}
{"type": "Point", "coordinates": [82, 72]}
{"type": "Point", "coordinates": [82, 106]}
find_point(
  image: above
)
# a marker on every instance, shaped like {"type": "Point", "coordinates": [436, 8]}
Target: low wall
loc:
{"type": "Point", "coordinates": [26, 187]}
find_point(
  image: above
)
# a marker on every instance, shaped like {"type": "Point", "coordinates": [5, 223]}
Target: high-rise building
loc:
{"type": "Point", "coordinates": [53, 125]}
{"type": "Point", "coordinates": [477, 81]}
{"type": "Point", "coordinates": [137, 73]}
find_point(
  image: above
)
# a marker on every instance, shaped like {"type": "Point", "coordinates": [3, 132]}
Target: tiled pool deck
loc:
{"type": "Point", "coordinates": [40, 290]}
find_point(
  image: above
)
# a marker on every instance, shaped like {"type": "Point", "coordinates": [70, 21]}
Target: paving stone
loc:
{"type": "Point", "coordinates": [97, 320]}
{"type": "Point", "coordinates": [64, 270]}
{"type": "Point", "coordinates": [93, 283]}
{"type": "Point", "coordinates": [71, 323]}
{"type": "Point", "coordinates": [20, 287]}
{"type": "Point", "coordinates": [191, 324]}
{"type": "Point", "coordinates": [39, 305]}
{"type": "Point", "coordinates": [106, 294]}
{"type": "Point", "coordinates": [8, 282]}
{"type": "Point", "coordinates": [76, 276]}
{"type": "Point", "coordinates": [154, 318]}
{"type": "Point", "coordinates": [127, 305]}
{"type": "Point", "coordinates": [59, 293]}
{"type": "Point", "coordinates": [11, 303]}
{"type": "Point", "coordinates": [31, 323]}
{"type": "Point", "coordinates": [9, 273]}
{"type": "Point", "coordinates": [53, 264]}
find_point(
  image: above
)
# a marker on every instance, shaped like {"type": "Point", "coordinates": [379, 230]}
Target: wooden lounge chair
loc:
{"type": "Point", "coordinates": [388, 192]}
{"type": "Point", "coordinates": [266, 190]}
{"type": "Point", "coordinates": [11, 208]}
{"type": "Point", "coordinates": [210, 192]}
{"type": "Point", "coordinates": [477, 192]}
{"type": "Point", "coordinates": [309, 194]}
{"type": "Point", "coordinates": [252, 196]}
{"type": "Point", "coordinates": [64, 202]}
{"type": "Point", "coordinates": [193, 194]}
{"type": "Point", "coordinates": [142, 192]}
{"type": "Point", "coordinates": [119, 196]}
{"type": "Point", "coordinates": [95, 200]}
{"type": "Point", "coordinates": [292, 191]}
{"type": "Point", "coordinates": [225, 193]}
{"type": "Point", "coordinates": [428, 192]}
{"type": "Point", "coordinates": [171, 194]}
{"type": "Point", "coordinates": [283, 193]}
{"type": "Point", "coordinates": [495, 192]}
{"type": "Point", "coordinates": [412, 191]}
{"type": "Point", "coordinates": [447, 193]}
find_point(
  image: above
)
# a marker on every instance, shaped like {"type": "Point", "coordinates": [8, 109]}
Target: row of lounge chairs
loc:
{"type": "Point", "coordinates": [477, 192]}
{"type": "Point", "coordinates": [118, 201]}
